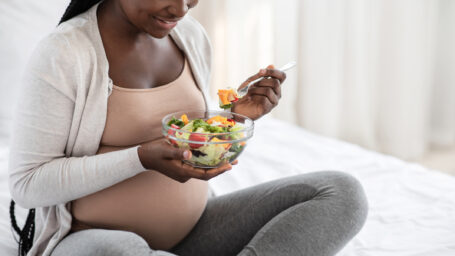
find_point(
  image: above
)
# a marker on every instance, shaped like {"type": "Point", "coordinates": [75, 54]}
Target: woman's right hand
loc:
{"type": "Point", "coordinates": [161, 156]}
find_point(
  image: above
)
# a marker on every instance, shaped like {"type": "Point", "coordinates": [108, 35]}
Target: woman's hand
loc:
{"type": "Point", "coordinates": [161, 156]}
{"type": "Point", "coordinates": [263, 96]}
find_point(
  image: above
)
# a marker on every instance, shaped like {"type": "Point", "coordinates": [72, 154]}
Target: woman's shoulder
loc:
{"type": "Point", "coordinates": [77, 33]}
{"type": "Point", "coordinates": [72, 44]}
{"type": "Point", "coordinates": [66, 54]}
{"type": "Point", "coordinates": [72, 38]}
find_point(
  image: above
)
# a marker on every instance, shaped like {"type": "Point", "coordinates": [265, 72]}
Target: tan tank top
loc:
{"type": "Point", "coordinates": [134, 115]}
{"type": "Point", "coordinates": [156, 207]}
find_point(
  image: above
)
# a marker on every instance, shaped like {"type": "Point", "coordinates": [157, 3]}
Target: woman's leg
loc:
{"type": "Point", "coordinates": [310, 214]}
{"type": "Point", "coordinates": [104, 242]}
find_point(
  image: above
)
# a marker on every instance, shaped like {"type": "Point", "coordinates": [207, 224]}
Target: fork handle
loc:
{"type": "Point", "coordinates": [283, 68]}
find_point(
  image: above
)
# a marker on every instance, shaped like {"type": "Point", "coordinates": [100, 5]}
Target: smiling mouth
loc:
{"type": "Point", "coordinates": [166, 21]}
{"type": "Point", "coordinates": [168, 24]}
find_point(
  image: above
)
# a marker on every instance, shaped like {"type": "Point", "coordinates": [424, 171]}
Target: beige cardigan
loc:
{"type": "Point", "coordinates": [60, 118]}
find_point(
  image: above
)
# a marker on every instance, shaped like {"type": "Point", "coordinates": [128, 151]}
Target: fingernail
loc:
{"type": "Point", "coordinates": [186, 154]}
{"type": "Point", "coordinates": [262, 71]}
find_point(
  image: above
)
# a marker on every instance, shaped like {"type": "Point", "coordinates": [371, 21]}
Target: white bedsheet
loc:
{"type": "Point", "coordinates": [412, 209]}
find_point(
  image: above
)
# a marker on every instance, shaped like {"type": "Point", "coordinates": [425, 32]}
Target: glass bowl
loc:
{"type": "Point", "coordinates": [209, 150]}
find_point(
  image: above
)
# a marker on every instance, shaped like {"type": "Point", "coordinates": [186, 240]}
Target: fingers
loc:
{"type": "Point", "coordinates": [260, 74]}
{"type": "Point", "coordinates": [266, 92]}
{"type": "Point", "coordinates": [272, 83]}
{"type": "Point", "coordinates": [170, 152]}
{"type": "Point", "coordinates": [198, 173]}
{"type": "Point", "coordinates": [270, 71]}
{"type": "Point", "coordinates": [217, 171]}
{"type": "Point", "coordinates": [275, 73]}
{"type": "Point", "coordinates": [167, 160]}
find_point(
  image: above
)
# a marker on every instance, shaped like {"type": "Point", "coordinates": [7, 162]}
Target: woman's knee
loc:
{"type": "Point", "coordinates": [351, 196]}
{"type": "Point", "coordinates": [102, 242]}
{"type": "Point", "coordinates": [342, 189]}
{"type": "Point", "coordinates": [125, 243]}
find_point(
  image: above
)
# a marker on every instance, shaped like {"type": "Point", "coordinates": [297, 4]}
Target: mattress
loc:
{"type": "Point", "coordinates": [412, 209]}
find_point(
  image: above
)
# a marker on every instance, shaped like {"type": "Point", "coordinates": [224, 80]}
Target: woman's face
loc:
{"type": "Point", "coordinates": [156, 17]}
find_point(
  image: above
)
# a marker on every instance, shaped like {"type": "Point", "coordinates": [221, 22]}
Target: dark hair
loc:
{"type": "Point", "coordinates": [77, 7]}
{"type": "Point", "coordinates": [27, 233]}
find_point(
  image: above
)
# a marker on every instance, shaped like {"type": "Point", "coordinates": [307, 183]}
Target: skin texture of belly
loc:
{"type": "Point", "coordinates": [161, 210]}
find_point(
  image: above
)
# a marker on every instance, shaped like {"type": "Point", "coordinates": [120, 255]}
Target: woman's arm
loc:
{"type": "Point", "coordinates": [39, 173]}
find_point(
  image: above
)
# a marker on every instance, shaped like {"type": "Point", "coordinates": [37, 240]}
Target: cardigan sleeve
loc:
{"type": "Point", "coordinates": [40, 174]}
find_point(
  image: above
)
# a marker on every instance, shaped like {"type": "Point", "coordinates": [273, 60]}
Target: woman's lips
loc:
{"type": "Point", "coordinates": [165, 24]}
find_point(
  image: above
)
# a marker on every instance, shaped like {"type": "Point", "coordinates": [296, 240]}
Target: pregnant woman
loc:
{"type": "Point", "coordinates": [88, 154]}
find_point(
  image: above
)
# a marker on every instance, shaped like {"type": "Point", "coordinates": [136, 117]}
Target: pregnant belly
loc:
{"type": "Point", "coordinates": [161, 210]}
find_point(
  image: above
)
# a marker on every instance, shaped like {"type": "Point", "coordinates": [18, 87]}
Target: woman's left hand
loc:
{"type": "Point", "coordinates": [263, 96]}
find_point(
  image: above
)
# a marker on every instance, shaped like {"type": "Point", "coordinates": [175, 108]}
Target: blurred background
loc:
{"type": "Point", "coordinates": [377, 73]}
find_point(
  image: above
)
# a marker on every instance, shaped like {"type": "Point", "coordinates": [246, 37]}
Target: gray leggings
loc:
{"type": "Point", "coordinates": [309, 214]}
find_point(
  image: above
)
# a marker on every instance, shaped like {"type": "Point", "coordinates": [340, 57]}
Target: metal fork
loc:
{"type": "Point", "coordinates": [242, 92]}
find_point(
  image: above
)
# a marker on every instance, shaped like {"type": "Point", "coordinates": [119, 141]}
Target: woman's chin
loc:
{"type": "Point", "coordinates": [158, 33]}
{"type": "Point", "coordinates": [160, 36]}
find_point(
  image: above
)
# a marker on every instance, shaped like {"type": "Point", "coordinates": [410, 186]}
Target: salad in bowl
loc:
{"type": "Point", "coordinates": [214, 137]}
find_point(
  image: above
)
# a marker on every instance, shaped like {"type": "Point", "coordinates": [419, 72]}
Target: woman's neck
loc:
{"type": "Point", "coordinates": [114, 23]}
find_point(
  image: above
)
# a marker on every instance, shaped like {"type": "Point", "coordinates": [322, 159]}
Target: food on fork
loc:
{"type": "Point", "coordinates": [227, 97]}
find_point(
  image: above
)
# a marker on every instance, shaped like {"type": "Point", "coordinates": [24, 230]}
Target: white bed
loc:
{"type": "Point", "coordinates": [412, 209]}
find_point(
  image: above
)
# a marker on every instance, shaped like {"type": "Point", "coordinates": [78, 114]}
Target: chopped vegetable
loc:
{"type": "Point", "coordinates": [176, 122]}
{"type": "Point", "coordinates": [226, 106]}
{"type": "Point", "coordinates": [196, 137]}
{"type": "Point", "coordinates": [219, 119]}
{"type": "Point", "coordinates": [172, 133]}
{"type": "Point", "coordinates": [184, 119]}
{"type": "Point", "coordinates": [222, 120]}
{"type": "Point", "coordinates": [207, 127]}
{"type": "Point", "coordinates": [202, 137]}
{"type": "Point", "coordinates": [225, 145]}
{"type": "Point", "coordinates": [226, 97]}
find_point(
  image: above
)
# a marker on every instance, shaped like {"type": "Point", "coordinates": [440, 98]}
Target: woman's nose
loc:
{"type": "Point", "coordinates": [179, 8]}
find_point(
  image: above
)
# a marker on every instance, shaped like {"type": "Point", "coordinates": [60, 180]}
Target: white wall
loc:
{"type": "Point", "coordinates": [22, 24]}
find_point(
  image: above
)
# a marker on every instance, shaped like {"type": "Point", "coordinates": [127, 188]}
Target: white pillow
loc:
{"type": "Point", "coordinates": [22, 24]}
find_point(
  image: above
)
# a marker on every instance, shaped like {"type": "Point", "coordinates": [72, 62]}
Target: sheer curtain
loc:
{"type": "Point", "coordinates": [373, 72]}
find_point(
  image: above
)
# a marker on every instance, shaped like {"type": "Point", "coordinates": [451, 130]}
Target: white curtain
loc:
{"type": "Point", "coordinates": [378, 73]}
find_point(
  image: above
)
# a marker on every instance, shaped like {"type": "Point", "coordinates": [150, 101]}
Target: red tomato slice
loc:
{"type": "Point", "coordinates": [196, 137]}
{"type": "Point", "coordinates": [172, 133]}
